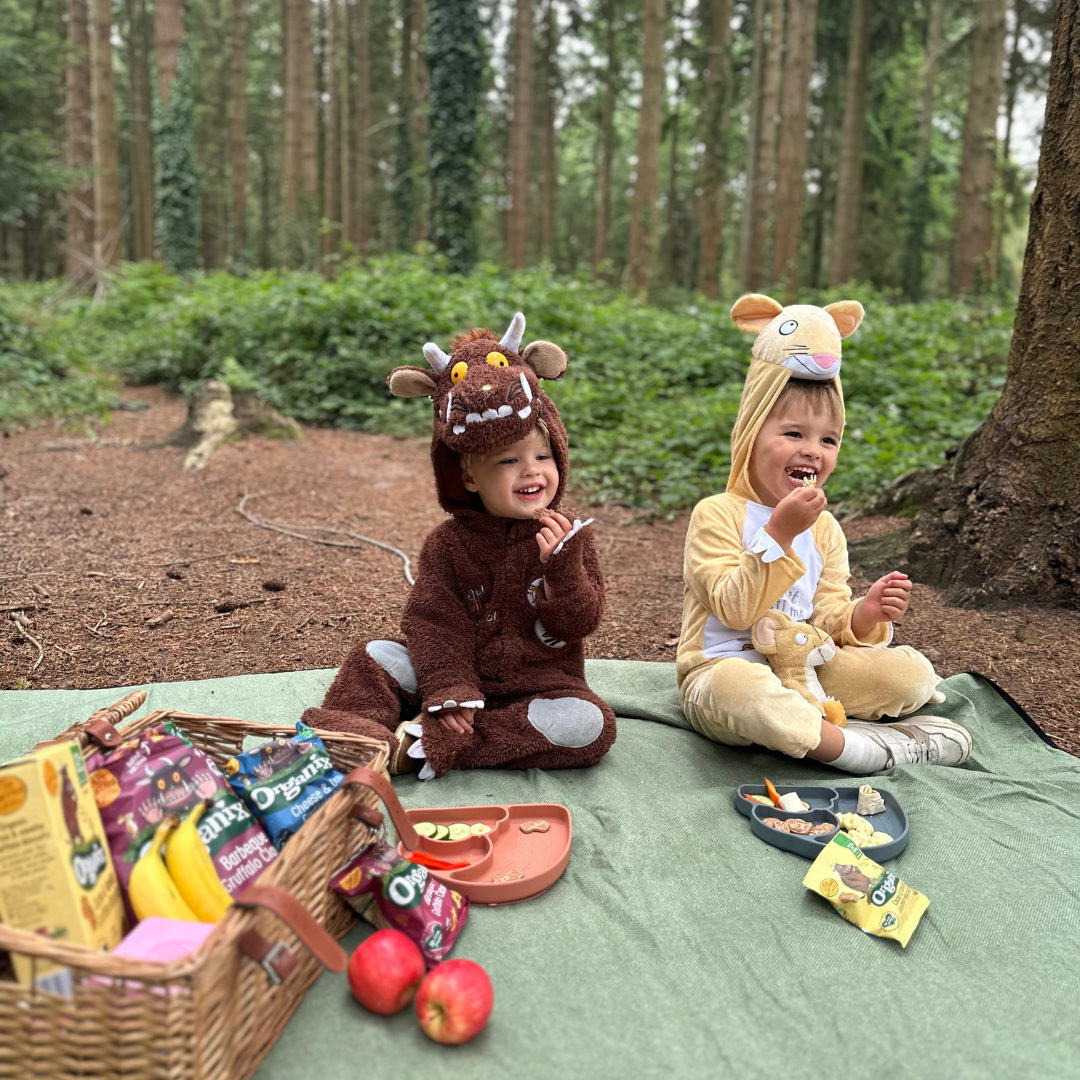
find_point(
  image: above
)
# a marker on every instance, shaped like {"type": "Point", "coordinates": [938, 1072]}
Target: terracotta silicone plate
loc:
{"type": "Point", "coordinates": [540, 857]}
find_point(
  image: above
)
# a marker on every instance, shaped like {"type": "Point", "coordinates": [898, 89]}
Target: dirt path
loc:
{"type": "Point", "coordinates": [118, 535]}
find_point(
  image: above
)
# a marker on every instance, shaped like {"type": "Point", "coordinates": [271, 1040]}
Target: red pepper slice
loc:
{"type": "Point", "coordinates": [421, 859]}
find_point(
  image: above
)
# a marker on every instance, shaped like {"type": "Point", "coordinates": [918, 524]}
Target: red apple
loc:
{"type": "Point", "coordinates": [385, 971]}
{"type": "Point", "coordinates": [454, 1001]}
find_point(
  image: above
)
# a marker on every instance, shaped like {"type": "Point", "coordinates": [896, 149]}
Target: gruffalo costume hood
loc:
{"type": "Point", "coordinates": [486, 395]}
{"type": "Point", "coordinates": [487, 626]}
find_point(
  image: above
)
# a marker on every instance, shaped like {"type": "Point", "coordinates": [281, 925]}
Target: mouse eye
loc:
{"type": "Point", "coordinates": [496, 359]}
{"type": "Point", "coordinates": [458, 371]}
{"type": "Point", "coordinates": [800, 639]}
{"type": "Point", "coordinates": [788, 327]}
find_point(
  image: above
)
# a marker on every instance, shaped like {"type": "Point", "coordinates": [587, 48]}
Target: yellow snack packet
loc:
{"type": "Point", "coordinates": [872, 898]}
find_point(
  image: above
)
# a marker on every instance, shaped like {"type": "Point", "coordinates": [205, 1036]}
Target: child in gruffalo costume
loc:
{"type": "Point", "coordinates": [766, 556]}
{"type": "Point", "coordinates": [505, 595]}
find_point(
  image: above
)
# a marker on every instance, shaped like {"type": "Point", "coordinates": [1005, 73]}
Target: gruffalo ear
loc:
{"type": "Point", "coordinates": [411, 382]}
{"type": "Point", "coordinates": [545, 358]}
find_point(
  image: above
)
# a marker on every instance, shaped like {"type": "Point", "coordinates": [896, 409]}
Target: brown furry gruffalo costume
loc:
{"type": "Point", "coordinates": [479, 631]}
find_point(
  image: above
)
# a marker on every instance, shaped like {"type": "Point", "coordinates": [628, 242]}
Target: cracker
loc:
{"type": "Point", "coordinates": [510, 875]}
{"type": "Point", "coordinates": [534, 826]}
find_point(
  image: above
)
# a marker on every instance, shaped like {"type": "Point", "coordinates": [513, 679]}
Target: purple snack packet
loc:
{"type": "Point", "coordinates": [159, 772]}
{"type": "Point", "coordinates": [407, 897]}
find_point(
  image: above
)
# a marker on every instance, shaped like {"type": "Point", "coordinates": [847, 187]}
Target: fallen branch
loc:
{"type": "Point", "coordinates": [19, 607]}
{"type": "Point", "coordinates": [33, 641]}
{"type": "Point", "coordinates": [188, 562]}
{"type": "Point", "coordinates": [289, 530]}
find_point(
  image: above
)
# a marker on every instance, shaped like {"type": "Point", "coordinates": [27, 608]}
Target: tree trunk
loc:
{"type": "Point", "coordinates": [405, 183]}
{"type": "Point", "coordinates": [975, 218]}
{"type": "Point", "coordinates": [290, 171]}
{"type": "Point", "coordinates": [331, 163]}
{"type": "Point", "coordinates": [1007, 528]}
{"type": "Point", "coordinates": [550, 69]}
{"type": "Point", "coordinates": [422, 88]}
{"type": "Point", "coordinates": [517, 221]}
{"type": "Point", "coordinates": [305, 44]}
{"type": "Point", "coordinates": [674, 231]}
{"type": "Point", "coordinates": [760, 196]}
{"type": "Point", "coordinates": [361, 167]}
{"type": "Point", "coordinates": [215, 62]}
{"type": "Point", "coordinates": [643, 207]}
{"type": "Point", "coordinates": [607, 144]}
{"type": "Point", "coordinates": [107, 234]}
{"type": "Point", "coordinates": [1010, 186]}
{"type": "Point", "coordinates": [238, 127]}
{"type": "Point", "coordinates": [168, 33]}
{"type": "Point", "coordinates": [845, 238]}
{"type": "Point", "coordinates": [142, 148]}
{"type": "Point", "coordinates": [717, 91]}
{"type": "Point", "coordinates": [79, 147]}
{"type": "Point", "coordinates": [791, 148]}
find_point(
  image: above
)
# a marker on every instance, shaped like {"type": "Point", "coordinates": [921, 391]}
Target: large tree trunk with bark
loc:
{"type": "Point", "coordinates": [142, 147]}
{"type": "Point", "coordinates": [290, 171]}
{"type": "Point", "coordinates": [845, 238]}
{"type": "Point", "coordinates": [975, 218]}
{"type": "Point", "coordinates": [549, 172]}
{"type": "Point", "coordinates": [79, 147]}
{"type": "Point", "coordinates": [791, 149]}
{"type": "Point", "coordinates": [238, 127]}
{"type": "Point", "coordinates": [107, 234]}
{"type": "Point", "coordinates": [607, 142]}
{"type": "Point", "coordinates": [643, 212]}
{"type": "Point", "coordinates": [717, 92]}
{"type": "Point", "coordinates": [331, 164]}
{"type": "Point", "coordinates": [760, 198]}
{"type": "Point", "coordinates": [517, 222]}
{"type": "Point", "coordinates": [361, 163]}
{"type": "Point", "coordinates": [168, 33]}
{"type": "Point", "coordinates": [1006, 529]}
{"type": "Point", "coordinates": [305, 42]}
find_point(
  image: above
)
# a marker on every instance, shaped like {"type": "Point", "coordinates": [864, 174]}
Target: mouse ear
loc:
{"type": "Point", "coordinates": [753, 312]}
{"type": "Point", "coordinates": [411, 382]}
{"type": "Point", "coordinates": [847, 314]}
{"type": "Point", "coordinates": [764, 632]}
{"type": "Point", "coordinates": [545, 358]}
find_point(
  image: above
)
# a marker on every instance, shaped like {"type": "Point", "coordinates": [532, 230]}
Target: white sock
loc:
{"type": "Point", "coordinates": [861, 755]}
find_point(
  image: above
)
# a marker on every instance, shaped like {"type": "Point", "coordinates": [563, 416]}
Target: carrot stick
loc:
{"type": "Point", "coordinates": [772, 791]}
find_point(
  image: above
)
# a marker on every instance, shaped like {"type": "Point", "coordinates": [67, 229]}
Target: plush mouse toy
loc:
{"type": "Point", "coordinates": [793, 650]}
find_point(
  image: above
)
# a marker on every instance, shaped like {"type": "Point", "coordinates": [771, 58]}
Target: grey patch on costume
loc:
{"type": "Point", "coordinates": [426, 773]}
{"type": "Point", "coordinates": [568, 721]}
{"type": "Point", "coordinates": [550, 641]}
{"type": "Point", "coordinates": [416, 751]}
{"type": "Point", "coordinates": [414, 729]}
{"type": "Point", "coordinates": [395, 659]}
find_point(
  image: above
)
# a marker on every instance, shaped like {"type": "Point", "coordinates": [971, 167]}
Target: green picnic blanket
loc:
{"type": "Point", "coordinates": [678, 944]}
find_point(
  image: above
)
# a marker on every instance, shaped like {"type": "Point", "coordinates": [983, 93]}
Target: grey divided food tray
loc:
{"type": "Point", "coordinates": [825, 804]}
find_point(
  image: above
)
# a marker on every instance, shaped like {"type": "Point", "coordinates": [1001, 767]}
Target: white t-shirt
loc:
{"type": "Point", "coordinates": [798, 601]}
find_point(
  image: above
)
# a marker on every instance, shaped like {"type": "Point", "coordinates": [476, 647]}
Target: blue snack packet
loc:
{"type": "Point", "coordinates": [284, 781]}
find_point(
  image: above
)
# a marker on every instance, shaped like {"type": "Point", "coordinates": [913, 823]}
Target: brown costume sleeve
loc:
{"type": "Point", "coordinates": [577, 590]}
{"type": "Point", "coordinates": [437, 629]}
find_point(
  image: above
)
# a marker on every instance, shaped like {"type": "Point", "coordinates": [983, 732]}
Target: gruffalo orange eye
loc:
{"type": "Point", "coordinates": [458, 371]}
{"type": "Point", "coordinates": [496, 359]}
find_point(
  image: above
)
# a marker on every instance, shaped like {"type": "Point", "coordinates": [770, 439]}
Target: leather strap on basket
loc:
{"type": "Point", "coordinates": [101, 727]}
{"type": "Point", "coordinates": [274, 957]}
{"type": "Point", "coordinates": [383, 788]}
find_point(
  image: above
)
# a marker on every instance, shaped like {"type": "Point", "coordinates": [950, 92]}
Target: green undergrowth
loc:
{"type": "Point", "coordinates": [649, 399]}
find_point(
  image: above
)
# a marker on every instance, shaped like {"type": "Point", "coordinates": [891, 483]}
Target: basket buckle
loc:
{"type": "Point", "coordinates": [277, 952]}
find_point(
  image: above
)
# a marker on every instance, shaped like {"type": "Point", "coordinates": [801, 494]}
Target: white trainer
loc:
{"type": "Point", "coordinates": [918, 740]}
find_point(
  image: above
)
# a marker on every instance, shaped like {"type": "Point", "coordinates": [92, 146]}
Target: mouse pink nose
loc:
{"type": "Point", "coordinates": [824, 359]}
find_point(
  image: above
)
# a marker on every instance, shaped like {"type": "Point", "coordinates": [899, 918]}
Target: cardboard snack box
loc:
{"type": "Point", "coordinates": [56, 873]}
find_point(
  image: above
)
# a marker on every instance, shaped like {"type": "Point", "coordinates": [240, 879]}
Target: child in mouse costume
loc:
{"type": "Point", "coordinates": [768, 543]}
{"type": "Point", "coordinates": [507, 589]}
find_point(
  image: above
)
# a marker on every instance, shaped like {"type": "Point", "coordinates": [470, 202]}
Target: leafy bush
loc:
{"type": "Point", "coordinates": [650, 397]}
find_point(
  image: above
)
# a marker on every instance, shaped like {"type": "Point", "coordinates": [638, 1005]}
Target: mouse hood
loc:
{"type": "Point", "coordinates": [799, 341]}
{"type": "Point", "coordinates": [486, 395]}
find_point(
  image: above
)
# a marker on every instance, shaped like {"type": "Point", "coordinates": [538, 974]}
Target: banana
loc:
{"type": "Point", "coordinates": [193, 872]}
{"type": "Point", "coordinates": [151, 889]}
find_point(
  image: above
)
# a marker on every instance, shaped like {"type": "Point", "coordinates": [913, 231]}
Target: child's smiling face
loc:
{"type": "Point", "coordinates": [515, 481]}
{"type": "Point", "coordinates": [795, 441]}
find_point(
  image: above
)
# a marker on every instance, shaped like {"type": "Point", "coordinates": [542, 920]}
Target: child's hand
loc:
{"type": "Point", "coordinates": [554, 527]}
{"type": "Point", "coordinates": [795, 513]}
{"type": "Point", "coordinates": [886, 601]}
{"type": "Point", "coordinates": [459, 720]}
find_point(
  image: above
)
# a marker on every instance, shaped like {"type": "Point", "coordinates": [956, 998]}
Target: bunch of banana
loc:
{"type": "Point", "coordinates": [192, 870]}
{"type": "Point", "coordinates": [151, 889]}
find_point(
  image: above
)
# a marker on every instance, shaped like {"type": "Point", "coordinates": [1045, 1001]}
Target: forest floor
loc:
{"type": "Point", "coordinates": [101, 537]}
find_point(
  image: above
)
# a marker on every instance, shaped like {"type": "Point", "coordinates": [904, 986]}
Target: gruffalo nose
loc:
{"type": "Point", "coordinates": [486, 391]}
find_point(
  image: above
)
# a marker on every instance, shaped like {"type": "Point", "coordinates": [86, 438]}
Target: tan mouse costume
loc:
{"type": "Point", "coordinates": [734, 572]}
{"type": "Point", "coordinates": [478, 630]}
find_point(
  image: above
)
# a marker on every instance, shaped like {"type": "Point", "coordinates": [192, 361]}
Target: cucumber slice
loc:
{"type": "Point", "coordinates": [442, 832]}
{"type": "Point", "coordinates": [459, 830]}
{"type": "Point", "coordinates": [425, 828]}
{"type": "Point", "coordinates": [480, 829]}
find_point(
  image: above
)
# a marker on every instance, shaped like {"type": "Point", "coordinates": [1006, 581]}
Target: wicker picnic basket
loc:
{"type": "Point", "coordinates": [215, 1014]}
